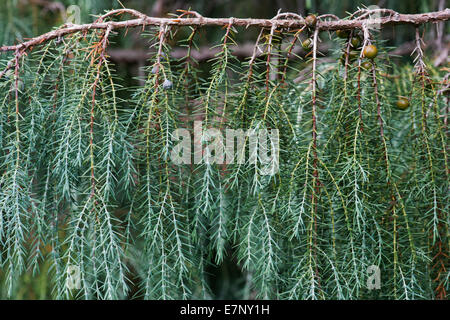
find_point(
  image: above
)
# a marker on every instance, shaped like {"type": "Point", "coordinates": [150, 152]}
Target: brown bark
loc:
{"type": "Point", "coordinates": [142, 20]}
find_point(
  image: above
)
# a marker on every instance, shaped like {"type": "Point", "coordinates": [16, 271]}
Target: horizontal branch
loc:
{"type": "Point", "coordinates": [143, 20]}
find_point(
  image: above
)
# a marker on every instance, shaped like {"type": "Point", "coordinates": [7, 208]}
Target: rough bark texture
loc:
{"type": "Point", "coordinates": [288, 21]}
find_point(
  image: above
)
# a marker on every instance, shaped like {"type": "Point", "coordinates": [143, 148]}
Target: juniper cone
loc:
{"type": "Point", "coordinates": [307, 44]}
{"type": "Point", "coordinates": [311, 20]}
{"type": "Point", "coordinates": [347, 198]}
{"type": "Point", "coordinates": [355, 42]}
{"type": "Point", "coordinates": [367, 65]}
{"type": "Point", "coordinates": [402, 103]}
{"type": "Point", "coordinates": [342, 34]}
{"type": "Point", "coordinates": [370, 51]}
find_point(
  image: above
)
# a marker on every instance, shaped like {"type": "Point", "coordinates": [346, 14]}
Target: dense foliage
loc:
{"type": "Point", "coordinates": [87, 180]}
